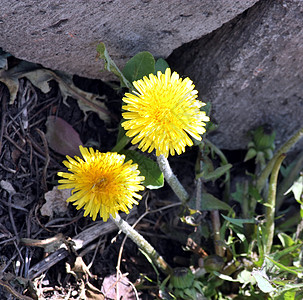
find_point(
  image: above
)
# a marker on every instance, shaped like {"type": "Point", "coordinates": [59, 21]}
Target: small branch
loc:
{"type": "Point", "coordinates": [140, 241]}
{"type": "Point", "coordinates": [171, 179]}
{"type": "Point", "coordinates": [13, 291]}
{"type": "Point", "coordinates": [285, 147]}
{"type": "Point", "coordinates": [271, 204]}
{"type": "Point", "coordinates": [80, 241]}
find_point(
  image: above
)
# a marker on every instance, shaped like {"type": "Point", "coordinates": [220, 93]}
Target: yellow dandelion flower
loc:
{"type": "Point", "coordinates": [101, 182]}
{"type": "Point", "coordinates": [163, 112]}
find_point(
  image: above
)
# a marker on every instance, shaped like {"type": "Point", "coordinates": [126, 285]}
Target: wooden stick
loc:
{"type": "Point", "coordinates": [80, 241]}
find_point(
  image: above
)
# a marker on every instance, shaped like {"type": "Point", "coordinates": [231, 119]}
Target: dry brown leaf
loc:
{"type": "Point", "coordinates": [40, 78]}
{"type": "Point", "coordinates": [62, 137]}
{"type": "Point", "coordinates": [55, 203]}
{"type": "Point", "coordinates": [6, 185]}
{"type": "Point", "coordinates": [110, 285]}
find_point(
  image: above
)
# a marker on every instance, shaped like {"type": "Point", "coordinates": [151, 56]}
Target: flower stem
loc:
{"type": "Point", "coordinates": [171, 179]}
{"type": "Point", "coordinates": [285, 147]}
{"type": "Point", "coordinates": [271, 204]}
{"type": "Point", "coordinates": [143, 244]}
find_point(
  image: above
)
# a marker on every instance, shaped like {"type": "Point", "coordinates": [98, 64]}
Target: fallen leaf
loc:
{"type": "Point", "coordinates": [50, 245]}
{"type": "Point", "coordinates": [6, 185]}
{"type": "Point", "coordinates": [79, 269]}
{"type": "Point", "coordinates": [55, 202]}
{"type": "Point", "coordinates": [40, 78]}
{"type": "Point", "coordinates": [62, 137]}
{"type": "Point", "coordinates": [110, 286]}
{"type": "Point", "coordinates": [81, 272]}
{"type": "Point", "coordinates": [92, 293]}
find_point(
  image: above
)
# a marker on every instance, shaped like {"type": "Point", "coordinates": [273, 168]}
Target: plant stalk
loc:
{"type": "Point", "coordinates": [143, 244]}
{"type": "Point", "coordinates": [171, 179]}
{"type": "Point", "coordinates": [224, 162]}
{"type": "Point", "coordinates": [215, 220]}
{"type": "Point", "coordinates": [285, 147]}
{"type": "Point", "coordinates": [271, 204]}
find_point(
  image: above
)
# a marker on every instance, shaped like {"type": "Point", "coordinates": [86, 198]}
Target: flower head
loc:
{"type": "Point", "coordinates": [163, 112]}
{"type": "Point", "coordinates": [101, 182]}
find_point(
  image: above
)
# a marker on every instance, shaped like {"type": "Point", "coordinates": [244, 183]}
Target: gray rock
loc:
{"type": "Point", "coordinates": [63, 34]}
{"type": "Point", "coordinates": [250, 69]}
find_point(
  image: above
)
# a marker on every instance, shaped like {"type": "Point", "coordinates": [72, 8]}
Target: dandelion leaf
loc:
{"type": "Point", "coordinates": [142, 64]}
{"type": "Point", "coordinates": [209, 202]}
{"type": "Point", "coordinates": [148, 168]}
{"type": "Point", "coordinates": [161, 65]}
{"type": "Point", "coordinates": [109, 65]}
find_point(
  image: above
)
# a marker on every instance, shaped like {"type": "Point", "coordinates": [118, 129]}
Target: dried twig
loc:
{"type": "Point", "coordinates": [80, 241]}
{"type": "Point", "coordinates": [14, 292]}
{"type": "Point", "coordinates": [47, 158]}
{"type": "Point", "coordinates": [3, 107]}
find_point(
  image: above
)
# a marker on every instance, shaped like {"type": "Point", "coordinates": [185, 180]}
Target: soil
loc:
{"type": "Point", "coordinates": [28, 170]}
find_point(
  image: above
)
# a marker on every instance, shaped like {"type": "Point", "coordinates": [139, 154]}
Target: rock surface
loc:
{"type": "Point", "coordinates": [63, 34]}
{"type": "Point", "coordinates": [248, 66]}
{"type": "Point", "coordinates": [250, 69]}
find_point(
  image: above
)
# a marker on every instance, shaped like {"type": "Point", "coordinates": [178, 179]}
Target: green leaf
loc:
{"type": "Point", "coordinates": [110, 66]}
{"type": "Point", "coordinates": [262, 281]}
{"type": "Point", "coordinates": [215, 174]}
{"type": "Point", "coordinates": [239, 222]}
{"type": "Point", "coordinates": [250, 154]}
{"type": "Point", "coordinates": [277, 255]}
{"type": "Point", "coordinates": [161, 65]}
{"type": "Point", "coordinates": [253, 192]}
{"type": "Point", "coordinates": [240, 194]}
{"type": "Point", "coordinates": [287, 295]}
{"type": "Point", "coordinates": [297, 189]}
{"type": "Point", "coordinates": [148, 168]}
{"type": "Point", "coordinates": [285, 240]}
{"type": "Point", "coordinates": [142, 64]}
{"type": "Point", "coordinates": [209, 202]}
{"type": "Point", "coordinates": [285, 170]}
{"type": "Point", "coordinates": [206, 108]}
{"type": "Point", "coordinates": [282, 267]}
{"type": "Point", "coordinates": [246, 277]}
{"type": "Point", "coordinates": [264, 137]}
{"type": "Point", "coordinates": [225, 277]}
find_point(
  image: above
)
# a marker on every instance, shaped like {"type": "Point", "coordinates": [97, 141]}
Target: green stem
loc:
{"type": "Point", "coordinates": [271, 204]}
{"type": "Point", "coordinates": [143, 244]}
{"type": "Point", "coordinates": [171, 179]}
{"type": "Point", "coordinates": [216, 150]}
{"type": "Point", "coordinates": [224, 162]}
{"type": "Point", "coordinates": [199, 182]}
{"type": "Point", "coordinates": [215, 219]}
{"type": "Point", "coordinates": [285, 147]}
